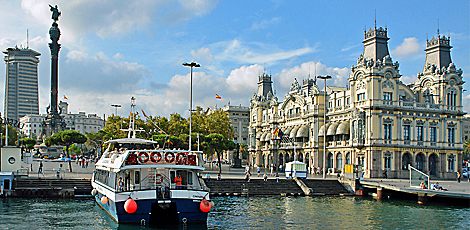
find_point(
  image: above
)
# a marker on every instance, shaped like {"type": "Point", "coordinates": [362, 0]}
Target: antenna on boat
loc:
{"type": "Point", "coordinates": [131, 130]}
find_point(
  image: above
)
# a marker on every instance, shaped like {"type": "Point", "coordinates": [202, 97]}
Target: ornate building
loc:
{"type": "Point", "coordinates": [378, 122]}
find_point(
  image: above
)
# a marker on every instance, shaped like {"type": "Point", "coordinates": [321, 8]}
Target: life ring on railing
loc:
{"type": "Point", "coordinates": [181, 158]}
{"type": "Point", "coordinates": [158, 179]}
{"type": "Point", "coordinates": [155, 157]}
{"type": "Point", "coordinates": [142, 157]}
{"type": "Point", "coordinates": [169, 157]}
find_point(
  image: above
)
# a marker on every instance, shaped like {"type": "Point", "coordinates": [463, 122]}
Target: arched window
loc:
{"type": "Point", "coordinates": [406, 160]}
{"type": "Point", "coordinates": [348, 158]}
{"type": "Point", "coordinates": [420, 162]}
{"type": "Point", "coordinates": [330, 160]}
{"type": "Point", "coordinates": [339, 161]}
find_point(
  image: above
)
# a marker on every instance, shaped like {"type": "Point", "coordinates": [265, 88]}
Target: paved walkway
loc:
{"type": "Point", "coordinates": [50, 168]}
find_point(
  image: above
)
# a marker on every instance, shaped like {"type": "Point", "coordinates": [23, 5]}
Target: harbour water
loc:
{"type": "Point", "coordinates": [271, 212]}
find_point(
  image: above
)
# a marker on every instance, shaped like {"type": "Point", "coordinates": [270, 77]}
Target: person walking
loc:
{"type": "Point", "coordinates": [385, 174]}
{"type": "Point", "coordinates": [258, 170]}
{"type": "Point", "coordinates": [40, 167]}
{"type": "Point", "coordinates": [272, 170]}
{"type": "Point", "coordinates": [458, 176]}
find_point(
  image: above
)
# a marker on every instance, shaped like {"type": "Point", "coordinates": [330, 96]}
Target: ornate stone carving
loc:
{"type": "Point", "coordinates": [451, 124]}
{"type": "Point", "coordinates": [420, 122]}
{"type": "Point", "coordinates": [388, 83]}
{"type": "Point", "coordinates": [407, 121]}
{"type": "Point", "coordinates": [388, 120]}
{"type": "Point", "coordinates": [433, 122]}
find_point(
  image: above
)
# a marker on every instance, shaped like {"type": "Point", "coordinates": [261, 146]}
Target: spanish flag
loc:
{"type": "Point", "coordinates": [278, 133]}
{"type": "Point", "coordinates": [217, 96]}
{"type": "Point", "coordinates": [65, 97]}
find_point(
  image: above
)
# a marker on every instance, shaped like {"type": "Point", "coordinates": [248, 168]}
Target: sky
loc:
{"type": "Point", "coordinates": [113, 50]}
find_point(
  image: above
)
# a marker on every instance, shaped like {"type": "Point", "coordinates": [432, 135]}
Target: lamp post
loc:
{"type": "Point", "coordinates": [192, 64]}
{"type": "Point", "coordinates": [324, 126]}
{"type": "Point", "coordinates": [116, 106]}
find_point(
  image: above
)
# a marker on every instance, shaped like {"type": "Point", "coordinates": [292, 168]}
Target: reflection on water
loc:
{"type": "Point", "coordinates": [248, 213]}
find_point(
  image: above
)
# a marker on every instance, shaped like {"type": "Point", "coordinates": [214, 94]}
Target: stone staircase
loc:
{"type": "Point", "coordinates": [325, 187]}
{"type": "Point", "coordinates": [285, 187]}
{"type": "Point", "coordinates": [240, 187]}
{"type": "Point", "coordinates": [66, 188]}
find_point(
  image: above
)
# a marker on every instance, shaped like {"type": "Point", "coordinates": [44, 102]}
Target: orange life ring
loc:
{"type": "Point", "coordinates": [142, 157]}
{"type": "Point", "coordinates": [169, 157]}
{"type": "Point", "coordinates": [155, 157]}
{"type": "Point", "coordinates": [181, 158]}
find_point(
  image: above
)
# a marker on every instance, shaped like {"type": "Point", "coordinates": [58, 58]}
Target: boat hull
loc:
{"type": "Point", "coordinates": [155, 212]}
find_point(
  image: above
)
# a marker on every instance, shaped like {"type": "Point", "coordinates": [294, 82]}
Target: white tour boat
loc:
{"type": "Point", "coordinates": [137, 183]}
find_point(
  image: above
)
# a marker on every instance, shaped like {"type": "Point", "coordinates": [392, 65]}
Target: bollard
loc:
{"type": "Point", "coordinates": [379, 193]}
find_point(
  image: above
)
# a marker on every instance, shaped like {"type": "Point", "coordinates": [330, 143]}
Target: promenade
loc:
{"type": "Point", "coordinates": [50, 168]}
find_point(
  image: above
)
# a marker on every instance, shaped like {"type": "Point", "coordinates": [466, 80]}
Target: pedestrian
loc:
{"type": "Point", "coordinates": [272, 170]}
{"type": "Point", "coordinates": [385, 173]}
{"type": "Point", "coordinates": [318, 170]}
{"type": "Point", "coordinates": [86, 163]}
{"type": "Point", "coordinates": [40, 167]}
{"type": "Point", "coordinates": [247, 177]}
{"type": "Point", "coordinates": [280, 168]}
{"type": "Point", "coordinates": [277, 177]}
{"type": "Point", "coordinates": [219, 177]}
{"type": "Point", "coordinates": [258, 170]}
{"type": "Point", "coordinates": [458, 176]}
{"type": "Point", "coordinates": [208, 176]}
{"type": "Point", "coordinates": [265, 177]}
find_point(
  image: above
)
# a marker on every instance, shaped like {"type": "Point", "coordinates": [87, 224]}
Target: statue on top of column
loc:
{"type": "Point", "coordinates": [55, 13]}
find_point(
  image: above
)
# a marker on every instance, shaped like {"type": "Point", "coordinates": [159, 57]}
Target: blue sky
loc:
{"type": "Point", "coordinates": [112, 50]}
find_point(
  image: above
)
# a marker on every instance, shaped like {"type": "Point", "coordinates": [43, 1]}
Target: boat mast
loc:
{"type": "Point", "coordinates": [131, 119]}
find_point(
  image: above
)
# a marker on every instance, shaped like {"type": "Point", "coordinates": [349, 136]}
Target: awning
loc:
{"type": "Point", "coordinates": [343, 128]}
{"type": "Point", "coordinates": [263, 136]}
{"type": "Point", "coordinates": [293, 133]}
{"type": "Point", "coordinates": [268, 136]}
{"type": "Point", "coordinates": [332, 129]}
{"type": "Point", "coordinates": [321, 132]}
{"type": "Point", "coordinates": [303, 131]}
{"type": "Point", "coordinates": [287, 131]}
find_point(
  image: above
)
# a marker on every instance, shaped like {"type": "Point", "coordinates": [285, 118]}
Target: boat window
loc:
{"type": "Point", "coordinates": [172, 176]}
{"type": "Point", "coordinates": [190, 178]}
{"type": "Point", "coordinates": [137, 177]}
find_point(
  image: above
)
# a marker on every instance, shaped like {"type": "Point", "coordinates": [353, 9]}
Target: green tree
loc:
{"type": "Point", "coordinates": [12, 135]}
{"type": "Point", "coordinates": [27, 143]}
{"type": "Point", "coordinates": [95, 140]}
{"type": "Point", "coordinates": [216, 143]}
{"type": "Point", "coordinates": [466, 151]}
{"type": "Point", "coordinates": [66, 138]}
{"type": "Point", "coordinates": [73, 149]}
{"type": "Point", "coordinates": [219, 122]}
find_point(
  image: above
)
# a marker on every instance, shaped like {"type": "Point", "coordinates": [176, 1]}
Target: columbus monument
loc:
{"type": "Point", "coordinates": [53, 122]}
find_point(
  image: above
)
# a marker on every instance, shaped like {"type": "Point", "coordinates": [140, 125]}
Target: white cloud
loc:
{"type": "Point", "coordinates": [255, 52]}
{"type": "Point", "coordinates": [265, 23]}
{"type": "Point", "coordinates": [203, 53]}
{"type": "Point", "coordinates": [243, 81]}
{"type": "Point", "coordinates": [339, 75]}
{"type": "Point", "coordinates": [408, 48]}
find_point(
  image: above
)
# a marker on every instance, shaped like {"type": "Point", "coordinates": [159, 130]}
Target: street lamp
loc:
{"type": "Point", "coordinates": [116, 106]}
{"type": "Point", "coordinates": [192, 64]}
{"type": "Point", "coordinates": [324, 126]}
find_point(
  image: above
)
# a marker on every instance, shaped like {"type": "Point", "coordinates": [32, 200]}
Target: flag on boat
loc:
{"type": "Point", "coordinates": [145, 115]}
{"type": "Point", "coordinates": [278, 133]}
{"type": "Point", "coordinates": [65, 97]}
{"type": "Point", "coordinates": [217, 96]}
{"type": "Point", "coordinates": [168, 140]}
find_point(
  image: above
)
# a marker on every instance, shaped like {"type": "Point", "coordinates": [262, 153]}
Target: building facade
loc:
{"type": "Point", "coordinates": [378, 123]}
{"type": "Point", "coordinates": [80, 122]}
{"type": "Point", "coordinates": [21, 84]}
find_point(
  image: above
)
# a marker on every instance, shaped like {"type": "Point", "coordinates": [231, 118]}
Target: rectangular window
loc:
{"type": "Point", "coordinates": [451, 135]}
{"type": "Point", "coordinates": [419, 133]}
{"type": "Point", "coordinates": [338, 102]}
{"type": "Point", "coordinates": [348, 100]}
{"type": "Point", "coordinates": [190, 178]}
{"type": "Point", "coordinates": [406, 132]}
{"type": "Point", "coordinates": [361, 96]}
{"type": "Point", "coordinates": [235, 120]}
{"type": "Point", "coordinates": [244, 129]}
{"type": "Point", "coordinates": [450, 163]}
{"type": "Point", "coordinates": [236, 129]}
{"type": "Point", "coordinates": [387, 96]}
{"type": "Point", "coordinates": [387, 131]}
{"type": "Point", "coordinates": [432, 134]}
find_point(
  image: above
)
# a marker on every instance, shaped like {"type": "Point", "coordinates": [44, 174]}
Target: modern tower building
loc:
{"type": "Point", "coordinates": [21, 85]}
